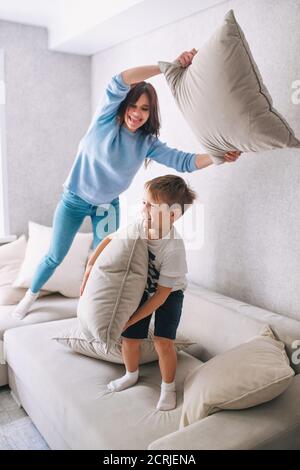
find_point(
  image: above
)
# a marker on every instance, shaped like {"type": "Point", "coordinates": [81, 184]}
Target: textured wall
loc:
{"type": "Point", "coordinates": [47, 112]}
{"type": "Point", "coordinates": [251, 225]}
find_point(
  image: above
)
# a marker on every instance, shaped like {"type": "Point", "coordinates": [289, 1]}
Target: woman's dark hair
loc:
{"type": "Point", "coordinates": [152, 125]}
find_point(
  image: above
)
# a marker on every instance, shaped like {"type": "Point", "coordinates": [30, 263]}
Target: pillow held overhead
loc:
{"type": "Point", "coordinates": [223, 98]}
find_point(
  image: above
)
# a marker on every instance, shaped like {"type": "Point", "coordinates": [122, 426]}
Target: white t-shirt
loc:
{"type": "Point", "coordinates": [167, 261]}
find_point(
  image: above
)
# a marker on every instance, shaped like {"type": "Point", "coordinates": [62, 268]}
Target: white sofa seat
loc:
{"type": "Point", "coordinates": [49, 308]}
{"type": "Point", "coordinates": [66, 393]}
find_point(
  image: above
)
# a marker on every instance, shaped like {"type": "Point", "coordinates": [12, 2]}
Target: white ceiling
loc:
{"type": "Point", "coordinates": [89, 26]}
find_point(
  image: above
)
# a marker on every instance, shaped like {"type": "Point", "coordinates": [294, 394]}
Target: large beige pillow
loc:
{"type": "Point", "coordinates": [11, 258]}
{"type": "Point", "coordinates": [250, 374]}
{"type": "Point", "coordinates": [115, 286]}
{"type": "Point", "coordinates": [68, 276]}
{"type": "Point", "coordinates": [223, 97]}
{"type": "Point", "coordinates": [76, 340]}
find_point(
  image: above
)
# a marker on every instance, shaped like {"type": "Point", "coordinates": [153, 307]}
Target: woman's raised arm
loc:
{"type": "Point", "coordinates": [139, 74]}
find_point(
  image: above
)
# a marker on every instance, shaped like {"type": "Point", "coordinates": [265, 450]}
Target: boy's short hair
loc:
{"type": "Point", "coordinates": [171, 189]}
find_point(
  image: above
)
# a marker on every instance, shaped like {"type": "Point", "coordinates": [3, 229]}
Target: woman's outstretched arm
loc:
{"type": "Point", "coordinates": [204, 159]}
{"type": "Point", "coordinates": [139, 74]}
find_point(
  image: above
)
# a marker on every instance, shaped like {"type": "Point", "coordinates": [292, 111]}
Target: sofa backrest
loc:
{"type": "Point", "coordinates": [218, 323]}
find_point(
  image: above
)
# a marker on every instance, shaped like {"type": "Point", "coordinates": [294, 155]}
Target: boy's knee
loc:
{"type": "Point", "coordinates": [130, 342]}
{"type": "Point", "coordinates": [163, 345]}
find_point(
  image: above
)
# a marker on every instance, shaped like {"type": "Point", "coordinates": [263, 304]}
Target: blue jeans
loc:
{"type": "Point", "coordinates": [68, 217]}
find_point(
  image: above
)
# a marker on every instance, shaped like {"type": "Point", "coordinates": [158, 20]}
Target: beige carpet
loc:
{"type": "Point", "coordinates": [17, 431]}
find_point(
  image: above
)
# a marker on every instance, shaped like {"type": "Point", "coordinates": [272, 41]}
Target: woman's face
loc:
{"type": "Point", "coordinates": [137, 114]}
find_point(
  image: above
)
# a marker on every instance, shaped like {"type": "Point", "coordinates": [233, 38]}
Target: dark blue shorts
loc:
{"type": "Point", "coordinates": [166, 322]}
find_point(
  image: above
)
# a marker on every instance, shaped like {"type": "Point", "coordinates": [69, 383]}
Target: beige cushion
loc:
{"type": "Point", "coordinates": [252, 373]}
{"type": "Point", "coordinates": [68, 276]}
{"type": "Point", "coordinates": [11, 258]}
{"type": "Point", "coordinates": [115, 286]}
{"type": "Point", "coordinates": [76, 340]}
{"type": "Point", "coordinates": [223, 97]}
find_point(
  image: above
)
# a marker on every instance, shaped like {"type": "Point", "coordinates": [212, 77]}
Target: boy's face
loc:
{"type": "Point", "coordinates": [157, 216]}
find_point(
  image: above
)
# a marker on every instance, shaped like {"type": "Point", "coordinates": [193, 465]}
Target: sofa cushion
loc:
{"type": "Point", "coordinates": [70, 390]}
{"type": "Point", "coordinates": [11, 258]}
{"type": "Point", "coordinates": [49, 308]}
{"type": "Point", "coordinates": [115, 286]}
{"type": "Point", "coordinates": [250, 374]}
{"type": "Point", "coordinates": [68, 276]}
{"type": "Point", "coordinates": [223, 97]}
{"type": "Point", "coordinates": [76, 340]}
{"type": "Point", "coordinates": [46, 309]}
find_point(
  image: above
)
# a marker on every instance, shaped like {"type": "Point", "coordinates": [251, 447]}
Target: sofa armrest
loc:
{"type": "Point", "coordinates": [272, 425]}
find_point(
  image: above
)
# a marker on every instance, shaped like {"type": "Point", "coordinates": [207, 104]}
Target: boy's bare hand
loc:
{"type": "Point", "coordinates": [232, 156]}
{"type": "Point", "coordinates": [186, 58]}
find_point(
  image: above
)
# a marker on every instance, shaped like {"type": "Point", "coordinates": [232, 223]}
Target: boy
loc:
{"type": "Point", "coordinates": [165, 200]}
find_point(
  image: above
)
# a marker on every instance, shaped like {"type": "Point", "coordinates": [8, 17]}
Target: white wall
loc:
{"type": "Point", "coordinates": [47, 113]}
{"type": "Point", "coordinates": [251, 226]}
{"type": "Point", "coordinates": [4, 214]}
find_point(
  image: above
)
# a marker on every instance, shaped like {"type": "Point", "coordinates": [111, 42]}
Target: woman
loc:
{"type": "Point", "coordinates": [123, 133]}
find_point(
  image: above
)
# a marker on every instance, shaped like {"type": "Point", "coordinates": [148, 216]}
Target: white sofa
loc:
{"type": "Point", "coordinates": [66, 396]}
{"type": "Point", "coordinates": [50, 308]}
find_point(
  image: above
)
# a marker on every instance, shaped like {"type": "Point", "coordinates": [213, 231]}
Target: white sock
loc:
{"type": "Point", "coordinates": [129, 379]}
{"type": "Point", "coordinates": [24, 305]}
{"type": "Point", "coordinates": [167, 399]}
